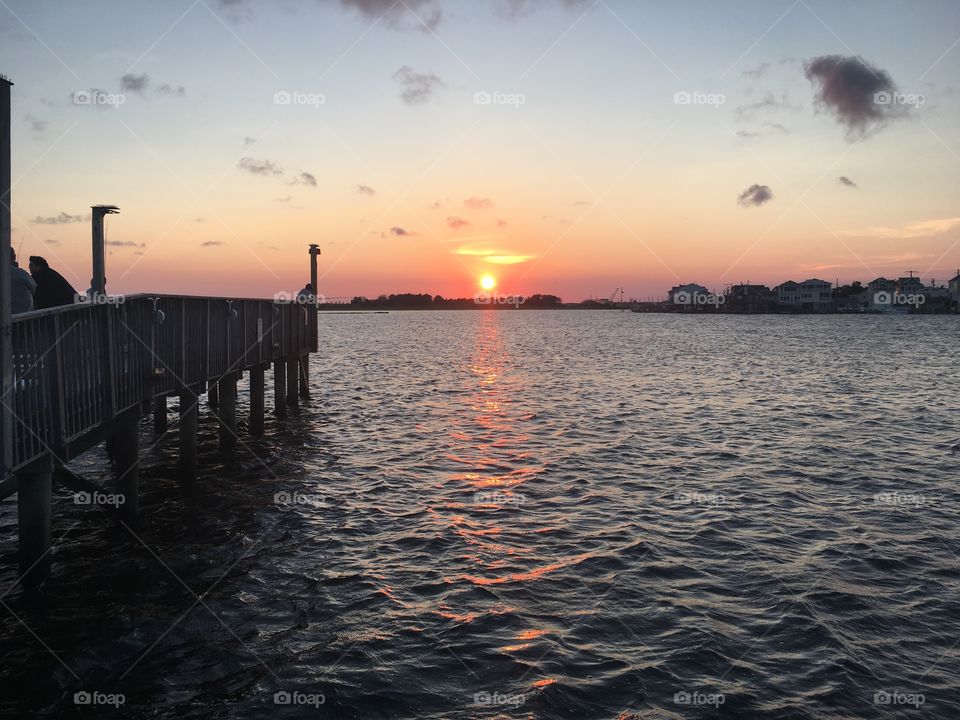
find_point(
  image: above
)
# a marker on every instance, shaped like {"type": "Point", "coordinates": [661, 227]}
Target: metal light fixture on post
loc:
{"type": "Point", "coordinates": [99, 282]}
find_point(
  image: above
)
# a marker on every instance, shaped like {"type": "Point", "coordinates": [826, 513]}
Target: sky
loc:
{"type": "Point", "coordinates": [571, 147]}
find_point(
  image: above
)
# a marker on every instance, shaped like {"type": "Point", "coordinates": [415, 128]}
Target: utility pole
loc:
{"type": "Point", "coordinates": [6, 334]}
{"type": "Point", "coordinates": [99, 283]}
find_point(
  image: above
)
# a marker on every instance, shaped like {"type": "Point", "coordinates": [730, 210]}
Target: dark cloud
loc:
{"type": "Point", "coordinates": [259, 167]}
{"type": "Point", "coordinates": [61, 219]}
{"type": "Point", "coordinates": [420, 14]}
{"type": "Point", "coordinates": [844, 180]}
{"type": "Point", "coordinates": [417, 87]}
{"type": "Point", "coordinates": [456, 223]}
{"type": "Point", "coordinates": [132, 82]}
{"type": "Point", "coordinates": [848, 87]}
{"type": "Point", "coordinates": [36, 124]}
{"type": "Point", "coordinates": [476, 203]}
{"type": "Point", "coordinates": [124, 243]}
{"type": "Point", "coordinates": [211, 243]}
{"type": "Point", "coordinates": [755, 195]}
{"type": "Point", "coordinates": [400, 232]}
{"type": "Point", "coordinates": [365, 190]}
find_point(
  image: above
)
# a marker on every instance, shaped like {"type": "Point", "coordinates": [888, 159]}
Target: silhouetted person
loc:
{"type": "Point", "coordinates": [52, 288]}
{"type": "Point", "coordinates": [306, 294]}
{"type": "Point", "coordinates": [21, 287]}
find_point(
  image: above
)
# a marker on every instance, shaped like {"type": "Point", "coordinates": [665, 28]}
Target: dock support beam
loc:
{"type": "Point", "coordinates": [126, 469]}
{"type": "Point", "coordinates": [227, 389]}
{"type": "Point", "coordinates": [280, 388]}
{"type": "Point", "coordinates": [256, 401]}
{"type": "Point", "coordinates": [188, 435]}
{"type": "Point", "coordinates": [160, 415]}
{"type": "Point", "coordinates": [293, 375]}
{"type": "Point", "coordinates": [305, 376]}
{"type": "Point", "coordinates": [213, 398]}
{"type": "Point", "coordinates": [34, 496]}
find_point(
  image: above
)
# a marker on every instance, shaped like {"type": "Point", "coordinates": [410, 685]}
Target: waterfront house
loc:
{"type": "Point", "coordinates": [788, 294]}
{"type": "Point", "coordinates": [679, 293]}
{"type": "Point", "coordinates": [954, 285]}
{"type": "Point", "coordinates": [747, 298]}
{"type": "Point", "coordinates": [810, 295]}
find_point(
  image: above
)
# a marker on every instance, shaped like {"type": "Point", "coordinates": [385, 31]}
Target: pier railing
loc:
{"type": "Point", "coordinates": [78, 368]}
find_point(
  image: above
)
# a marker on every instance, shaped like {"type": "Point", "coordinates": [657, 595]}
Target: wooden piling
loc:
{"type": "Point", "coordinates": [305, 376]}
{"type": "Point", "coordinates": [34, 496]}
{"type": "Point", "coordinates": [126, 469]}
{"type": "Point", "coordinates": [227, 387]}
{"type": "Point", "coordinates": [256, 401]}
{"type": "Point", "coordinates": [160, 415]}
{"type": "Point", "coordinates": [188, 435]}
{"type": "Point", "coordinates": [293, 374]}
{"type": "Point", "coordinates": [213, 399]}
{"type": "Point", "coordinates": [280, 388]}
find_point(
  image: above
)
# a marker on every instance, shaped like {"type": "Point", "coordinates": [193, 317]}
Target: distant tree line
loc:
{"type": "Point", "coordinates": [424, 301]}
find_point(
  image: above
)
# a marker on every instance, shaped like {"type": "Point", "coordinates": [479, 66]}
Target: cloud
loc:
{"type": "Point", "coordinates": [417, 87]}
{"type": "Point", "coordinates": [124, 243]}
{"type": "Point", "coordinates": [36, 124]}
{"type": "Point", "coordinates": [304, 178]}
{"type": "Point", "coordinates": [919, 229]}
{"type": "Point", "coordinates": [772, 128]}
{"type": "Point", "coordinates": [508, 259]}
{"type": "Point", "coordinates": [286, 199]}
{"type": "Point", "coordinates": [514, 9]}
{"type": "Point", "coordinates": [844, 180]}
{"type": "Point", "coordinates": [755, 195]}
{"type": "Point", "coordinates": [502, 223]}
{"type": "Point", "coordinates": [259, 167]}
{"type": "Point", "coordinates": [132, 82]}
{"type": "Point", "coordinates": [365, 190]}
{"type": "Point", "coordinates": [850, 88]}
{"type": "Point", "coordinates": [200, 220]}
{"type": "Point", "coordinates": [758, 72]}
{"type": "Point", "coordinates": [768, 102]}
{"type": "Point", "coordinates": [51, 241]}
{"type": "Point", "coordinates": [211, 243]}
{"type": "Point", "coordinates": [421, 14]}
{"type": "Point", "coordinates": [400, 232]}
{"type": "Point", "coordinates": [248, 141]}
{"type": "Point", "coordinates": [456, 223]}
{"type": "Point", "coordinates": [476, 203]}
{"type": "Point", "coordinates": [61, 219]}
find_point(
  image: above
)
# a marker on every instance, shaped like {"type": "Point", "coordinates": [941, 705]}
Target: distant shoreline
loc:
{"type": "Point", "coordinates": [347, 308]}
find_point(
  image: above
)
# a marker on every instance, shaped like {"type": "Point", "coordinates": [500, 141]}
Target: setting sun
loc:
{"type": "Point", "coordinates": [488, 282]}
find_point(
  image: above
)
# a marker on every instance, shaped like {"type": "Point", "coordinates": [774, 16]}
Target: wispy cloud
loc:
{"type": "Point", "coordinates": [62, 219]}
{"type": "Point", "coordinates": [416, 87]}
{"type": "Point", "coordinates": [133, 83]}
{"type": "Point", "coordinates": [919, 229]}
{"type": "Point", "coordinates": [36, 124]}
{"type": "Point", "coordinates": [400, 232]}
{"type": "Point", "coordinates": [365, 190]}
{"type": "Point", "coordinates": [478, 203]}
{"type": "Point", "coordinates": [844, 180]}
{"type": "Point", "coordinates": [212, 243]}
{"type": "Point", "coordinates": [125, 243]}
{"type": "Point", "coordinates": [259, 167]}
{"type": "Point", "coordinates": [456, 223]}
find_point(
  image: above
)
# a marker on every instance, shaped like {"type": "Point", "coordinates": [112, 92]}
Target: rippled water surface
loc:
{"type": "Point", "coordinates": [535, 515]}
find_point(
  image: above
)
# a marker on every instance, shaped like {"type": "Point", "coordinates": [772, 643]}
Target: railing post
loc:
{"type": "Point", "coordinates": [188, 434]}
{"type": "Point", "coordinates": [34, 497]}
